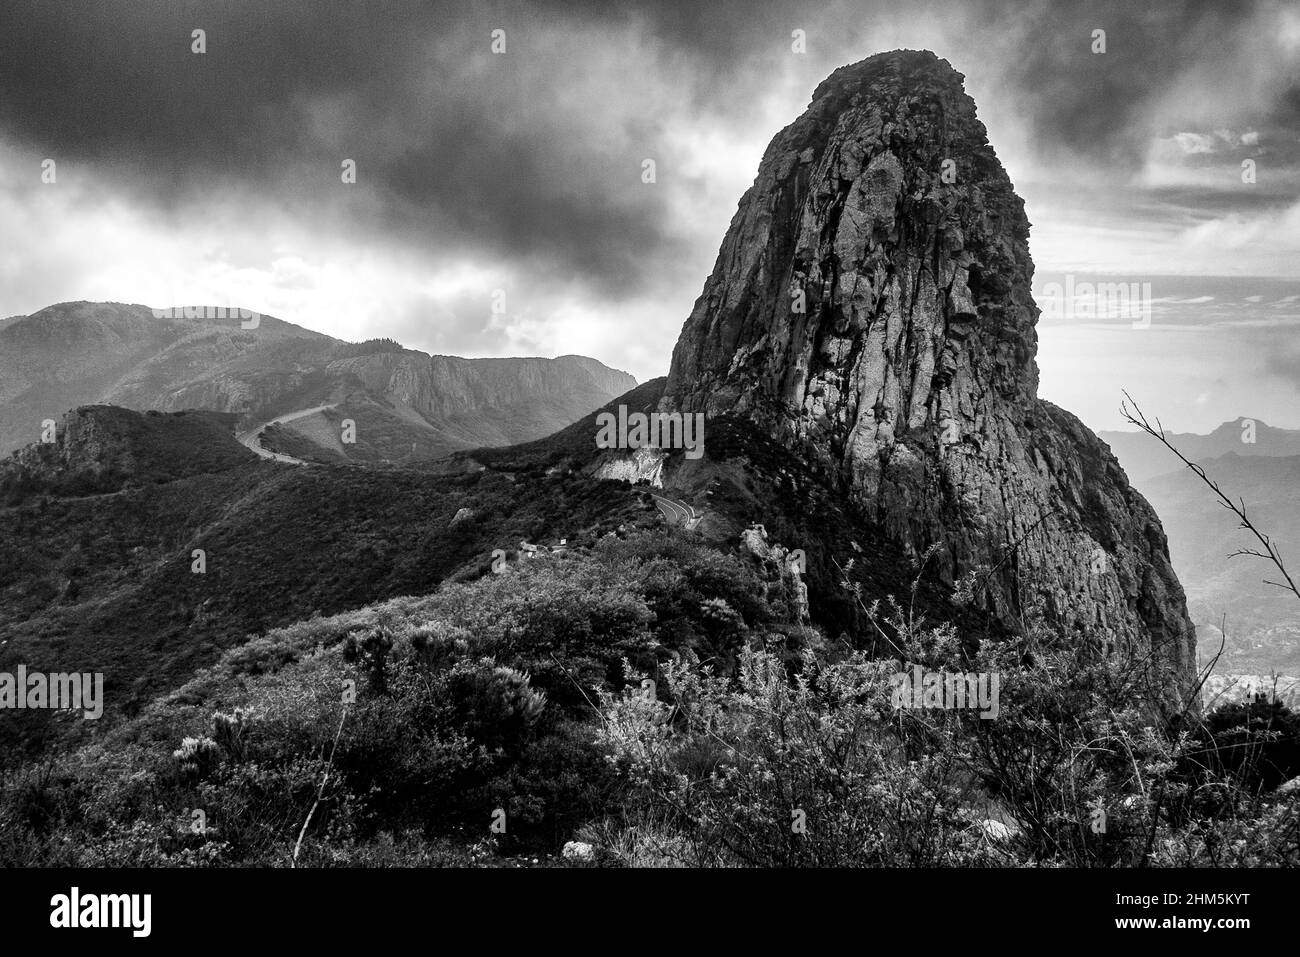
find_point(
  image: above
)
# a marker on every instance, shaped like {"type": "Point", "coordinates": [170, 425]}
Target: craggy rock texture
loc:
{"type": "Point", "coordinates": [636, 465]}
{"type": "Point", "coordinates": [870, 308]}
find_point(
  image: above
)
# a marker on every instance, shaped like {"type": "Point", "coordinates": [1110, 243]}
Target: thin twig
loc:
{"type": "Point", "coordinates": [1238, 508]}
{"type": "Point", "coordinates": [320, 793]}
{"type": "Point", "coordinates": [600, 714]}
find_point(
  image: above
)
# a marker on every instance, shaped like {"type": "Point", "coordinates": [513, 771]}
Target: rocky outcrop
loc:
{"type": "Point", "coordinates": [637, 465]}
{"type": "Point", "coordinates": [870, 308]}
{"type": "Point", "coordinates": [781, 571]}
{"type": "Point", "coordinates": [97, 449]}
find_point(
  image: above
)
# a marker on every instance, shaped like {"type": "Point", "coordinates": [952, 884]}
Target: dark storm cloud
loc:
{"type": "Point", "coordinates": [1094, 104]}
{"type": "Point", "coordinates": [118, 79]}
{"type": "Point", "coordinates": [453, 144]}
{"type": "Point", "coordinates": [522, 158]}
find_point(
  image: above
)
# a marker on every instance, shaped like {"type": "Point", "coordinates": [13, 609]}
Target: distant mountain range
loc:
{"type": "Point", "coordinates": [406, 405]}
{"type": "Point", "coordinates": [1142, 457]}
{"type": "Point", "coordinates": [1262, 622]}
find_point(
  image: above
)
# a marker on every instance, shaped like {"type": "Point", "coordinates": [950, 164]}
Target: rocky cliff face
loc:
{"type": "Point", "coordinates": [870, 308]}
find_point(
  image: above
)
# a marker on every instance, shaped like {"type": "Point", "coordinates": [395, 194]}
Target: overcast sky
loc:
{"type": "Point", "coordinates": [185, 178]}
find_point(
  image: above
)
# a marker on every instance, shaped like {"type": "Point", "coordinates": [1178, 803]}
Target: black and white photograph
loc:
{"type": "Point", "coordinates": [714, 445]}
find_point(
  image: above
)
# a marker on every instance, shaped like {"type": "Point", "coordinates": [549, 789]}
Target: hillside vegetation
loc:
{"type": "Point", "coordinates": [93, 579]}
{"type": "Point", "coordinates": [650, 697]}
{"type": "Point", "coordinates": [359, 678]}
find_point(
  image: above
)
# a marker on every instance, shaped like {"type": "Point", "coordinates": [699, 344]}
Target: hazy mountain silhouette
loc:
{"type": "Point", "coordinates": [1143, 458]}
{"type": "Point", "coordinates": [407, 405]}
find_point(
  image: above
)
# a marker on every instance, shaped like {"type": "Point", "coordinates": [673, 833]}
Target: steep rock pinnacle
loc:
{"type": "Point", "coordinates": [870, 308]}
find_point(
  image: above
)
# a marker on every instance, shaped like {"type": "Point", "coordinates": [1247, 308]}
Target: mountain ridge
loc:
{"type": "Point", "coordinates": [1143, 458]}
{"type": "Point", "coordinates": [82, 353]}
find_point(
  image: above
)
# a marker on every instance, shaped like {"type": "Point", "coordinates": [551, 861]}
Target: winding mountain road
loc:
{"type": "Point", "coordinates": [252, 439]}
{"type": "Point", "coordinates": [677, 512]}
